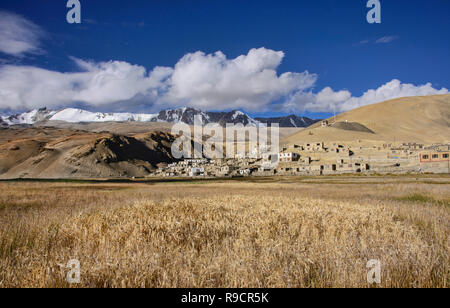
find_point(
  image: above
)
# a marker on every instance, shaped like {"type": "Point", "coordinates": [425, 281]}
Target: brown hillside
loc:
{"type": "Point", "coordinates": [63, 153]}
{"type": "Point", "coordinates": [411, 119]}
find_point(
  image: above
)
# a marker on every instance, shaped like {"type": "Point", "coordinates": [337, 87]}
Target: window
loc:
{"type": "Point", "coordinates": [435, 156]}
{"type": "Point", "coordinates": [444, 155]}
{"type": "Point", "coordinates": [425, 156]}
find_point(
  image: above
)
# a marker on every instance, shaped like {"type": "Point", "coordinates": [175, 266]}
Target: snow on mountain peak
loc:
{"type": "Point", "coordinates": [237, 114]}
{"type": "Point", "coordinates": [29, 117]}
{"type": "Point", "coordinates": [180, 115]}
{"type": "Point", "coordinates": [73, 115]}
{"type": "Point", "coordinates": [293, 122]}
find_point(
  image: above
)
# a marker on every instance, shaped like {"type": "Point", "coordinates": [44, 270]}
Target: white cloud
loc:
{"type": "Point", "coordinates": [386, 39]}
{"type": "Point", "coordinates": [328, 100]}
{"type": "Point", "coordinates": [382, 40]}
{"type": "Point", "coordinates": [18, 35]}
{"type": "Point", "coordinates": [206, 81]}
{"type": "Point", "coordinates": [198, 80]}
{"type": "Point", "coordinates": [248, 81]}
{"type": "Point", "coordinates": [99, 84]}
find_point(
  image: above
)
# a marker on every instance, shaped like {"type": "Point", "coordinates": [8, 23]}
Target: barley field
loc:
{"type": "Point", "coordinates": [316, 232]}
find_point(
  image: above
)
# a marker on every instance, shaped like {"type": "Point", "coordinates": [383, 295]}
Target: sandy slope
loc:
{"type": "Point", "coordinates": [412, 119]}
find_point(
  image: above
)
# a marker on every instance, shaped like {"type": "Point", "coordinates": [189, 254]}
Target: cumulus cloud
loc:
{"type": "Point", "coordinates": [18, 35]}
{"type": "Point", "coordinates": [249, 81]}
{"type": "Point", "coordinates": [206, 81]}
{"type": "Point", "coordinates": [199, 80]}
{"type": "Point", "coordinates": [98, 84]}
{"type": "Point", "coordinates": [329, 100]}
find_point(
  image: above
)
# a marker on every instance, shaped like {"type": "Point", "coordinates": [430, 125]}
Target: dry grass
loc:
{"type": "Point", "coordinates": [224, 234]}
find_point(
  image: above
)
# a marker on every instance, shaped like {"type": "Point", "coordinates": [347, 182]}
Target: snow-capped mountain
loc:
{"type": "Point", "coordinates": [186, 115]}
{"type": "Point", "coordinates": [289, 121]}
{"type": "Point", "coordinates": [234, 117]}
{"type": "Point", "coordinates": [29, 117]}
{"type": "Point", "coordinates": [179, 115]}
{"type": "Point", "coordinates": [73, 115]}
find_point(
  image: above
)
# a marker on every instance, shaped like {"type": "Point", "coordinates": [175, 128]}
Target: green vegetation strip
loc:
{"type": "Point", "coordinates": [421, 198]}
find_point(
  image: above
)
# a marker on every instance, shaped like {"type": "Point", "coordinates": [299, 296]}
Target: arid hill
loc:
{"type": "Point", "coordinates": [352, 126]}
{"type": "Point", "coordinates": [63, 153]}
{"type": "Point", "coordinates": [411, 119]}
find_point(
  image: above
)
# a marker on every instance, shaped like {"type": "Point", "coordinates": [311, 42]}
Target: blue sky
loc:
{"type": "Point", "coordinates": [330, 39]}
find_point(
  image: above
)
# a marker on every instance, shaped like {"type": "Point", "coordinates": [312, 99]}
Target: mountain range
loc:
{"type": "Point", "coordinates": [114, 150]}
{"type": "Point", "coordinates": [180, 115]}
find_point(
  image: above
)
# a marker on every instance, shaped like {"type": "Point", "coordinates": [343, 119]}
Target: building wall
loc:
{"type": "Point", "coordinates": [433, 157]}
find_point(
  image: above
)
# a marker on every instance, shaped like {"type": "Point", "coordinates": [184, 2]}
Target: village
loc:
{"type": "Point", "coordinates": [320, 158]}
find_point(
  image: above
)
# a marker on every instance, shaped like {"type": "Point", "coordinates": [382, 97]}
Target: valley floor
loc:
{"type": "Point", "coordinates": [268, 232]}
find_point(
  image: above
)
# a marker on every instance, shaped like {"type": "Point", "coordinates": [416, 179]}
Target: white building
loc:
{"type": "Point", "coordinates": [245, 172]}
{"type": "Point", "coordinates": [288, 157]}
{"type": "Point", "coordinates": [197, 172]}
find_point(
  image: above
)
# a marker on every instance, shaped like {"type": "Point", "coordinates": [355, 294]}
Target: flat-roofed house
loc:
{"type": "Point", "coordinates": [288, 157]}
{"type": "Point", "coordinates": [435, 161]}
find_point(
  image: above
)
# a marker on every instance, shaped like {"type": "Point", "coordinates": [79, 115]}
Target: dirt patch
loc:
{"type": "Point", "coordinates": [352, 126]}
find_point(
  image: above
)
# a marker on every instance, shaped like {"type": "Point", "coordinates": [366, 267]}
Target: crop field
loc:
{"type": "Point", "coordinates": [317, 232]}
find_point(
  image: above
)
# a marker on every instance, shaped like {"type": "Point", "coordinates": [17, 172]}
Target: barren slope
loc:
{"type": "Point", "coordinates": [412, 119]}
{"type": "Point", "coordinates": [62, 153]}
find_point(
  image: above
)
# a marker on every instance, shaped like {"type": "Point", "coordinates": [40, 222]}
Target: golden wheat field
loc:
{"type": "Point", "coordinates": [262, 233]}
